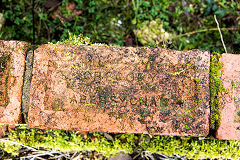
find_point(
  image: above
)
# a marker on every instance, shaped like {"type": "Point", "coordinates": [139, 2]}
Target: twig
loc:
{"type": "Point", "coordinates": [32, 149]}
{"type": "Point", "coordinates": [220, 34]}
{"type": "Point", "coordinates": [204, 30]}
{"type": "Point", "coordinates": [40, 158]}
{"type": "Point", "coordinates": [42, 154]}
{"type": "Point", "coordinates": [75, 153]}
{"type": "Point", "coordinates": [54, 7]}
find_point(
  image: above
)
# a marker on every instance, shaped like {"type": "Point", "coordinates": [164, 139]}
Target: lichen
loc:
{"type": "Point", "coordinates": [216, 87]}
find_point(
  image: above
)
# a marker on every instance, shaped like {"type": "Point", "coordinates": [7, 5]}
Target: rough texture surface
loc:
{"type": "Point", "coordinates": [26, 85]}
{"type": "Point", "coordinates": [12, 63]}
{"type": "Point", "coordinates": [120, 89]}
{"type": "Point", "coordinates": [230, 114]}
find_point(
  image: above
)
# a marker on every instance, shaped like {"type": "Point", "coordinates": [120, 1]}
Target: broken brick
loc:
{"type": "Point", "coordinates": [12, 63]}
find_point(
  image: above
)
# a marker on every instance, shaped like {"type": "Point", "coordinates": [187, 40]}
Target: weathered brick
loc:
{"type": "Point", "coordinates": [230, 102]}
{"type": "Point", "coordinates": [12, 63]}
{"type": "Point", "coordinates": [120, 89]}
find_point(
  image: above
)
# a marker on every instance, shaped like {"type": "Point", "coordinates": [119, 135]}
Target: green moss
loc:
{"type": "Point", "coordinates": [79, 40]}
{"type": "Point", "coordinates": [199, 100]}
{"type": "Point", "coordinates": [196, 80]}
{"type": "Point", "coordinates": [76, 40]}
{"type": "Point", "coordinates": [179, 102]}
{"type": "Point", "coordinates": [3, 62]}
{"type": "Point", "coordinates": [176, 73]}
{"type": "Point", "coordinates": [233, 84]}
{"type": "Point", "coordinates": [76, 66]}
{"type": "Point", "coordinates": [238, 113]}
{"type": "Point", "coordinates": [70, 141]}
{"type": "Point", "coordinates": [235, 99]}
{"type": "Point", "coordinates": [189, 64]}
{"type": "Point", "coordinates": [216, 86]}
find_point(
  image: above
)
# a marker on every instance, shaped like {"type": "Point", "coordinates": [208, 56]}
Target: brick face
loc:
{"type": "Point", "coordinates": [12, 63]}
{"type": "Point", "coordinates": [230, 113]}
{"type": "Point", "coordinates": [120, 89]}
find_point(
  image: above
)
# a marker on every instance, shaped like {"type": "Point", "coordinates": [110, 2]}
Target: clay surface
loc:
{"type": "Point", "coordinates": [12, 63]}
{"type": "Point", "coordinates": [120, 89]}
{"type": "Point", "coordinates": [230, 114]}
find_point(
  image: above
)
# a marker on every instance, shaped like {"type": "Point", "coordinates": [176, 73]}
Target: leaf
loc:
{"type": "Point", "coordinates": [146, 4]}
{"type": "Point", "coordinates": [215, 7]}
{"type": "Point", "coordinates": [209, 2]}
{"type": "Point", "coordinates": [207, 10]}
{"type": "Point", "coordinates": [43, 16]}
{"type": "Point", "coordinates": [220, 13]}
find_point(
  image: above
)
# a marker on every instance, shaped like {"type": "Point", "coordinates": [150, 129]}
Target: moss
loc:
{"type": "Point", "coordinates": [233, 84]}
{"type": "Point", "coordinates": [70, 141]}
{"type": "Point", "coordinates": [189, 64]}
{"type": "Point", "coordinates": [3, 62]}
{"type": "Point", "coordinates": [180, 102]}
{"type": "Point", "coordinates": [216, 87]}
{"type": "Point", "coordinates": [4, 70]}
{"type": "Point", "coordinates": [238, 113]}
{"type": "Point", "coordinates": [79, 40]}
{"type": "Point", "coordinates": [196, 80]}
{"type": "Point", "coordinates": [236, 99]}
{"type": "Point", "coordinates": [199, 100]}
{"type": "Point", "coordinates": [176, 73]}
{"type": "Point", "coordinates": [76, 40]}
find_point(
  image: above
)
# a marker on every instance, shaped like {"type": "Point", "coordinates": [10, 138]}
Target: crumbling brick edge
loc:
{"type": "Point", "coordinates": [27, 84]}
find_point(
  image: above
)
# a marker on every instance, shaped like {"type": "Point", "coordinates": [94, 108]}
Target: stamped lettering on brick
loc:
{"type": "Point", "coordinates": [114, 89]}
{"type": "Point", "coordinates": [4, 72]}
{"type": "Point", "coordinates": [79, 79]}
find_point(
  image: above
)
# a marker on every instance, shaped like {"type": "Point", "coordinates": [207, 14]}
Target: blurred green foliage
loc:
{"type": "Point", "coordinates": [120, 22]}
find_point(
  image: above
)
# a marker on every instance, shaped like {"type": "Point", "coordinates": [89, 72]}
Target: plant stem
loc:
{"type": "Point", "coordinates": [202, 30]}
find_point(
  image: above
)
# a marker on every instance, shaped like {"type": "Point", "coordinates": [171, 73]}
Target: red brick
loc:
{"type": "Point", "coordinates": [120, 89]}
{"type": "Point", "coordinates": [230, 113]}
{"type": "Point", "coordinates": [12, 59]}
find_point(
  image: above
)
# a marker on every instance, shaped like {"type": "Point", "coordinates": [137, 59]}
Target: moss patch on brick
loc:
{"type": "Point", "coordinates": [79, 40]}
{"type": "Point", "coordinates": [216, 87]}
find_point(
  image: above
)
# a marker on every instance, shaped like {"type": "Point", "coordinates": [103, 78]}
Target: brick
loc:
{"type": "Point", "coordinates": [229, 128]}
{"type": "Point", "coordinates": [120, 89]}
{"type": "Point", "coordinates": [12, 63]}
